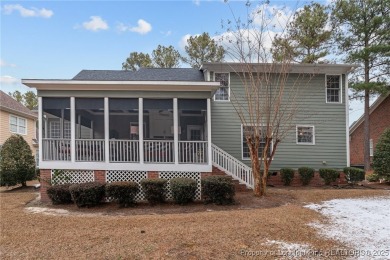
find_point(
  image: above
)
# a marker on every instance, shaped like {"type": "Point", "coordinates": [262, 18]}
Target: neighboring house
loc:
{"type": "Point", "coordinates": [165, 123]}
{"type": "Point", "coordinates": [17, 119]}
{"type": "Point", "coordinates": [379, 121]}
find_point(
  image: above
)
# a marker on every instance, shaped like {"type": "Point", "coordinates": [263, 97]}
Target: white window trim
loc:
{"type": "Point", "coordinates": [314, 135]}
{"type": "Point", "coordinates": [17, 124]}
{"type": "Point", "coordinates": [340, 91]}
{"type": "Point", "coordinates": [217, 100]}
{"type": "Point", "coordinates": [242, 146]}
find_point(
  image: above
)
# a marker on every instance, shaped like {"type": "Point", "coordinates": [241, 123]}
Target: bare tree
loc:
{"type": "Point", "coordinates": [268, 105]}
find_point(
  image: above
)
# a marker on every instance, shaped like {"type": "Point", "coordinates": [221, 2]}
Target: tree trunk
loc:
{"type": "Point", "coordinates": [366, 138]}
{"type": "Point", "coordinates": [257, 191]}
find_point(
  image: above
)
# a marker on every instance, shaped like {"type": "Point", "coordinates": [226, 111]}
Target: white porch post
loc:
{"type": "Point", "coordinates": [175, 131]}
{"type": "Point", "coordinates": [106, 131]}
{"type": "Point", "coordinates": [209, 131]}
{"type": "Point", "coordinates": [40, 132]}
{"type": "Point", "coordinates": [141, 129]}
{"type": "Point", "coordinates": [72, 130]}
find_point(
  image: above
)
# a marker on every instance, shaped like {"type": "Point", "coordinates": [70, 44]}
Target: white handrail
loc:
{"type": "Point", "coordinates": [232, 166]}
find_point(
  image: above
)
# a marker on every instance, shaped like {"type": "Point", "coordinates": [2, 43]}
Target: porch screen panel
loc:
{"type": "Point", "coordinates": [56, 129]}
{"type": "Point", "coordinates": [89, 129]}
{"type": "Point", "coordinates": [158, 134]}
{"type": "Point", "coordinates": [124, 130]}
{"type": "Point", "coordinates": [192, 130]}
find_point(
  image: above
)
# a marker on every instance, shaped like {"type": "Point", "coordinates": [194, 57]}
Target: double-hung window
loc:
{"type": "Point", "coordinates": [333, 89]}
{"type": "Point", "coordinates": [17, 125]}
{"type": "Point", "coordinates": [305, 134]}
{"type": "Point", "coordinates": [223, 92]}
{"type": "Point", "coordinates": [249, 130]}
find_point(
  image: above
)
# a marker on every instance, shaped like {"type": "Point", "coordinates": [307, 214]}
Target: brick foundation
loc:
{"type": "Point", "coordinates": [153, 175]}
{"type": "Point", "coordinates": [317, 181]}
{"type": "Point", "coordinates": [45, 176]}
{"type": "Point", "coordinates": [100, 176]}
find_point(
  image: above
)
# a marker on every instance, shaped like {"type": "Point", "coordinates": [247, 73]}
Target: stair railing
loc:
{"type": "Point", "coordinates": [232, 166]}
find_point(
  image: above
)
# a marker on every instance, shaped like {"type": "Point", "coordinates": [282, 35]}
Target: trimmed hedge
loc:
{"type": "Point", "coordinates": [381, 161]}
{"type": "Point", "coordinates": [124, 192]}
{"type": "Point", "coordinates": [354, 175]}
{"type": "Point", "coordinates": [306, 174]}
{"type": "Point", "coordinates": [183, 190]}
{"type": "Point", "coordinates": [154, 190]}
{"type": "Point", "coordinates": [329, 175]}
{"type": "Point", "coordinates": [59, 194]}
{"type": "Point", "coordinates": [87, 194]}
{"type": "Point", "coordinates": [218, 190]}
{"type": "Point", "coordinates": [287, 175]}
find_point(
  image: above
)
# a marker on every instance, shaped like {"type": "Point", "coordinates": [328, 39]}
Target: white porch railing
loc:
{"type": "Point", "coordinates": [55, 149]}
{"type": "Point", "coordinates": [124, 151]}
{"type": "Point", "coordinates": [89, 150]}
{"type": "Point", "coordinates": [232, 166]}
{"type": "Point", "coordinates": [159, 151]}
{"type": "Point", "coordinates": [193, 151]}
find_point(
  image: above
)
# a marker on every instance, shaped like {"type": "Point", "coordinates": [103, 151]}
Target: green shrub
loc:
{"type": "Point", "coordinates": [218, 190]}
{"type": "Point", "coordinates": [287, 175]}
{"type": "Point", "coordinates": [353, 175]}
{"type": "Point", "coordinates": [87, 194]}
{"type": "Point", "coordinates": [59, 194]}
{"type": "Point", "coordinates": [183, 190]}
{"type": "Point", "coordinates": [306, 174]}
{"type": "Point", "coordinates": [329, 175]}
{"type": "Point", "coordinates": [17, 164]}
{"type": "Point", "coordinates": [381, 161]}
{"type": "Point", "coordinates": [154, 190]}
{"type": "Point", "coordinates": [373, 177]}
{"type": "Point", "coordinates": [124, 192]}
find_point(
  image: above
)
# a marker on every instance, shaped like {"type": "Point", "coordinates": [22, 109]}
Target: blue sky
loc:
{"type": "Point", "coordinates": [57, 39]}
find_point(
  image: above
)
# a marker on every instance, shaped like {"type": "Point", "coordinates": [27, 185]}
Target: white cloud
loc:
{"type": "Point", "coordinates": [8, 80]}
{"type": "Point", "coordinates": [276, 17]}
{"type": "Point", "coordinates": [143, 27]}
{"type": "Point", "coordinates": [196, 2]}
{"type": "Point", "coordinates": [167, 33]}
{"type": "Point", "coordinates": [24, 12]}
{"type": "Point", "coordinates": [5, 64]}
{"type": "Point", "coordinates": [95, 24]}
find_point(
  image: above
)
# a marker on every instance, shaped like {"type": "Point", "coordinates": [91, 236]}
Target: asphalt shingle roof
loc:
{"type": "Point", "coordinates": [143, 74]}
{"type": "Point", "coordinates": [8, 102]}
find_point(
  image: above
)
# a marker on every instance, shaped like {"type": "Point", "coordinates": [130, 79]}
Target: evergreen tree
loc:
{"type": "Point", "coordinates": [17, 164]}
{"type": "Point", "coordinates": [364, 36]}
{"type": "Point", "coordinates": [201, 49]}
{"type": "Point", "coordinates": [306, 38]}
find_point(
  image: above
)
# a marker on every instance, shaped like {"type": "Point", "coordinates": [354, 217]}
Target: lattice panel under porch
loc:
{"type": "Point", "coordinates": [191, 175]}
{"type": "Point", "coordinates": [135, 176]}
{"type": "Point", "coordinates": [73, 176]}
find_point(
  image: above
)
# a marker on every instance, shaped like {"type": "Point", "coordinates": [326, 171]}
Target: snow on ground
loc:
{"type": "Point", "coordinates": [363, 223]}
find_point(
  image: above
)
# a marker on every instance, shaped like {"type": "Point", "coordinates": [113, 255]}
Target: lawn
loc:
{"type": "Point", "coordinates": [167, 232]}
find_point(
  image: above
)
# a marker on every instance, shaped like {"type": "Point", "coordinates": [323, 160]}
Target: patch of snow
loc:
{"type": "Point", "coordinates": [291, 247]}
{"type": "Point", "coordinates": [361, 223]}
{"type": "Point", "coordinates": [47, 211]}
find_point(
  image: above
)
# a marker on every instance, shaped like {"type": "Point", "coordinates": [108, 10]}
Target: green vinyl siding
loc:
{"type": "Point", "coordinates": [329, 120]}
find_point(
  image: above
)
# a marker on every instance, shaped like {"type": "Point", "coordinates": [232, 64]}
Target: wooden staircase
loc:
{"type": "Point", "coordinates": [239, 187]}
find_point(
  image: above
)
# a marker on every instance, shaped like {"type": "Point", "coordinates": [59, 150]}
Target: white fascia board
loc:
{"type": "Point", "coordinates": [121, 85]}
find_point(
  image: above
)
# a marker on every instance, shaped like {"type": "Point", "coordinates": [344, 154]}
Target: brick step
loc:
{"type": "Point", "coordinates": [239, 187]}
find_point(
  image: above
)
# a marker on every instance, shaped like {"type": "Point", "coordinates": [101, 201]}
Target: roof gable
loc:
{"type": "Point", "coordinates": [11, 105]}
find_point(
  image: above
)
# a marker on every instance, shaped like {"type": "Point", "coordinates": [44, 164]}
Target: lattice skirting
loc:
{"type": "Point", "coordinates": [135, 176]}
{"type": "Point", "coordinates": [192, 175]}
{"type": "Point", "coordinates": [74, 176]}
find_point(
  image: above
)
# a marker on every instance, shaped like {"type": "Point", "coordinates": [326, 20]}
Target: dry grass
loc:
{"type": "Point", "coordinates": [198, 235]}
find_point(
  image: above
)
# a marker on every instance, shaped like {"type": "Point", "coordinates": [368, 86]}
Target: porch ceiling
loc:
{"type": "Point", "coordinates": [184, 86]}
